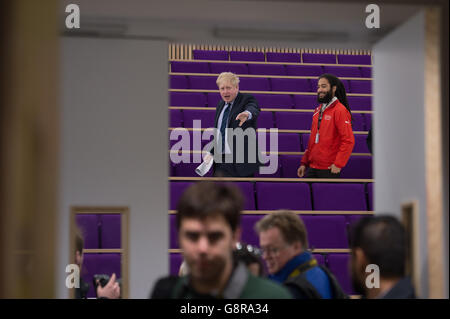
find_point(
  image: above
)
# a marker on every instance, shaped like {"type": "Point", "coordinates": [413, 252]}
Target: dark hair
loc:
{"type": "Point", "coordinates": [340, 89]}
{"type": "Point", "coordinates": [206, 199]}
{"type": "Point", "coordinates": [383, 240]}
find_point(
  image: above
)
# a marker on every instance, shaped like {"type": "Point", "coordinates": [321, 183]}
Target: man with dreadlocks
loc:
{"type": "Point", "coordinates": [331, 141]}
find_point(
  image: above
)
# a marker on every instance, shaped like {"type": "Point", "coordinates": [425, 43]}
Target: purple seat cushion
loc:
{"type": "Point", "coordinates": [343, 71]}
{"type": "Point", "coordinates": [175, 261]}
{"type": "Point", "coordinates": [358, 167]}
{"type": "Point", "coordinates": [362, 86]}
{"type": "Point", "coordinates": [283, 57]}
{"type": "Point", "coordinates": [236, 68]}
{"type": "Point", "coordinates": [176, 118]}
{"type": "Point", "coordinates": [265, 119]}
{"type": "Point", "coordinates": [99, 264]}
{"type": "Point", "coordinates": [179, 82]}
{"type": "Point", "coordinates": [338, 196]}
{"type": "Point", "coordinates": [291, 85]}
{"type": "Point", "coordinates": [254, 84]}
{"type": "Point", "coordinates": [246, 56]}
{"type": "Point", "coordinates": [304, 70]}
{"type": "Point", "coordinates": [305, 101]}
{"type": "Point", "coordinates": [354, 59]}
{"type": "Point", "coordinates": [358, 123]}
{"type": "Point", "coordinates": [266, 69]}
{"type": "Point", "coordinates": [210, 55]}
{"type": "Point", "coordinates": [360, 103]}
{"type": "Point", "coordinates": [187, 99]}
{"type": "Point", "coordinates": [318, 58]}
{"type": "Point", "coordinates": [89, 227]}
{"type": "Point", "coordinates": [290, 165]}
{"type": "Point", "coordinates": [361, 144]}
{"type": "Point", "coordinates": [205, 116]}
{"type": "Point", "coordinates": [176, 190]}
{"type": "Point", "coordinates": [366, 72]}
{"type": "Point", "coordinates": [189, 67]}
{"type": "Point", "coordinates": [273, 196]}
{"type": "Point", "coordinates": [326, 231]}
{"type": "Point", "coordinates": [110, 231]}
{"type": "Point", "coordinates": [339, 266]}
{"type": "Point", "coordinates": [203, 82]}
{"type": "Point", "coordinates": [274, 100]}
{"type": "Point", "coordinates": [293, 120]}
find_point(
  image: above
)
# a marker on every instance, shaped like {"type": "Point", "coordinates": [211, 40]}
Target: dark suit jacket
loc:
{"type": "Point", "coordinates": [243, 102]}
{"type": "Point", "coordinates": [402, 290]}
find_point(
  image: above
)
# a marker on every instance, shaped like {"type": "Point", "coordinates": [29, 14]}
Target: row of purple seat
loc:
{"type": "Point", "coordinates": [270, 69]}
{"type": "Point", "coordinates": [337, 263]}
{"type": "Point", "coordinates": [287, 142]}
{"type": "Point", "coordinates": [104, 263]}
{"type": "Point", "coordinates": [357, 167]}
{"type": "Point", "coordinates": [100, 230]}
{"type": "Point", "coordinates": [285, 101]}
{"type": "Point", "coordinates": [266, 119]}
{"type": "Point", "coordinates": [265, 84]}
{"type": "Point", "coordinates": [282, 57]}
{"type": "Point", "coordinates": [296, 195]}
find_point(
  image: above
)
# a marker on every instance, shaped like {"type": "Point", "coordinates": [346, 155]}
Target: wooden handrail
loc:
{"type": "Point", "coordinates": [265, 76]}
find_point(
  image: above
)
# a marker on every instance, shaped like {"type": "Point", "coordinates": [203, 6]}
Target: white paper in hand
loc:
{"type": "Point", "coordinates": [204, 167]}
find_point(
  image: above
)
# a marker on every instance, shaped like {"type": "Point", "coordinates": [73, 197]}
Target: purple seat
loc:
{"type": "Point", "coordinates": [304, 70]}
{"type": "Point", "coordinates": [188, 170]}
{"type": "Point", "coordinates": [246, 56]}
{"type": "Point", "coordinates": [339, 266]}
{"type": "Point", "coordinates": [179, 82]}
{"type": "Point", "coordinates": [248, 192]}
{"type": "Point", "coordinates": [205, 116]}
{"type": "Point", "coordinates": [366, 72]}
{"type": "Point", "coordinates": [213, 99]}
{"type": "Point", "coordinates": [293, 120]}
{"type": "Point", "coordinates": [276, 174]}
{"type": "Point", "coordinates": [175, 261]}
{"type": "Point", "coordinates": [326, 231]}
{"type": "Point", "coordinates": [236, 68]}
{"type": "Point", "coordinates": [173, 232]}
{"type": "Point", "coordinates": [89, 227]}
{"type": "Point", "coordinates": [358, 123]}
{"type": "Point", "coordinates": [358, 167]}
{"type": "Point", "coordinates": [176, 190]}
{"type": "Point", "coordinates": [361, 144]}
{"type": "Point", "coordinates": [345, 82]}
{"type": "Point", "coordinates": [248, 233]}
{"type": "Point", "coordinates": [370, 195]}
{"type": "Point", "coordinates": [189, 67]}
{"type": "Point", "coordinates": [354, 59]}
{"type": "Point", "coordinates": [291, 85]}
{"type": "Point", "coordinates": [187, 99]}
{"type": "Point", "coordinates": [360, 103]}
{"type": "Point", "coordinates": [344, 71]}
{"type": "Point", "coordinates": [288, 142]}
{"type": "Point", "coordinates": [337, 196]}
{"type": "Point", "coordinates": [99, 264]}
{"type": "Point", "coordinates": [254, 84]}
{"type": "Point", "coordinates": [362, 86]}
{"type": "Point", "coordinates": [274, 100]}
{"type": "Point", "coordinates": [318, 58]}
{"type": "Point", "coordinates": [353, 219]}
{"type": "Point", "coordinates": [191, 144]}
{"type": "Point", "coordinates": [266, 69]}
{"type": "Point", "coordinates": [290, 165]}
{"type": "Point", "coordinates": [203, 82]}
{"type": "Point", "coordinates": [176, 118]}
{"type": "Point", "coordinates": [305, 101]}
{"type": "Point", "coordinates": [265, 119]}
{"type": "Point", "coordinates": [110, 230]}
{"type": "Point", "coordinates": [368, 121]}
{"type": "Point", "coordinates": [320, 259]}
{"type": "Point", "coordinates": [283, 57]}
{"type": "Point", "coordinates": [273, 196]}
{"type": "Point", "coordinates": [304, 141]}
{"type": "Point", "coordinates": [210, 55]}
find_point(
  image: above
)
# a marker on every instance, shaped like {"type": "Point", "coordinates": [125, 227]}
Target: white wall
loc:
{"type": "Point", "coordinates": [399, 144]}
{"type": "Point", "coordinates": [114, 135]}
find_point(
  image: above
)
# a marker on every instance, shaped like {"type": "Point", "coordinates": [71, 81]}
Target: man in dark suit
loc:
{"type": "Point", "coordinates": [235, 146]}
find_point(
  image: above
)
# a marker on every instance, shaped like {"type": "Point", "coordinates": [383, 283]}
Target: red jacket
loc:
{"type": "Point", "coordinates": [336, 138]}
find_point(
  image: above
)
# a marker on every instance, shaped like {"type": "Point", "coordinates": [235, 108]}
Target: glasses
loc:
{"type": "Point", "coordinates": [273, 251]}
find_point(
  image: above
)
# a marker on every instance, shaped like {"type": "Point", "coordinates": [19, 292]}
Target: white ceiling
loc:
{"type": "Point", "coordinates": [268, 23]}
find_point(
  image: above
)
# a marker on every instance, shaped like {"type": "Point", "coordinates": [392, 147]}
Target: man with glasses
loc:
{"type": "Point", "coordinates": [283, 241]}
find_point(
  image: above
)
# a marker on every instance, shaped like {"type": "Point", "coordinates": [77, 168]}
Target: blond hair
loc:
{"type": "Point", "coordinates": [228, 77]}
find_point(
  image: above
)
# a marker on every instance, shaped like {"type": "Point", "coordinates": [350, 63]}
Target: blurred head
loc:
{"type": "Point", "coordinates": [208, 229]}
{"type": "Point", "coordinates": [251, 257]}
{"type": "Point", "coordinates": [379, 240]}
{"type": "Point", "coordinates": [228, 84]}
{"type": "Point", "coordinates": [282, 236]}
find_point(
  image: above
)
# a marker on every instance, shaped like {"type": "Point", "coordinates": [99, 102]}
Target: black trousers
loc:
{"type": "Point", "coordinates": [320, 173]}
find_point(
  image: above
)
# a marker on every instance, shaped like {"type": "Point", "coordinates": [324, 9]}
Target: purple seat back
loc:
{"type": "Point", "coordinates": [205, 116]}
{"type": "Point", "coordinates": [358, 167]}
{"type": "Point", "coordinates": [370, 195]}
{"type": "Point", "coordinates": [273, 196]}
{"type": "Point", "coordinates": [236, 68]}
{"type": "Point", "coordinates": [337, 196]}
{"type": "Point", "coordinates": [173, 232]}
{"type": "Point", "coordinates": [304, 141]}
{"type": "Point", "coordinates": [210, 55]}
{"type": "Point", "coordinates": [368, 121]}
{"type": "Point", "coordinates": [360, 103]}
{"type": "Point", "coordinates": [293, 120]}
{"type": "Point", "coordinates": [326, 231]}
{"type": "Point", "coordinates": [203, 82]}
{"type": "Point", "coordinates": [175, 261]}
{"type": "Point", "coordinates": [358, 123]}
{"type": "Point", "coordinates": [291, 85]}
{"type": "Point", "coordinates": [110, 230]}
{"type": "Point", "coordinates": [187, 99]}
{"type": "Point", "coordinates": [246, 56]}
{"type": "Point", "coordinates": [176, 190]}
{"type": "Point", "coordinates": [265, 119]}
{"type": "Point", "coordinates": [288, 142]}
{"type": "Point", "coordinates": [266, 69]}
{"type": "Point", "coordinates": [213, 99]}
{"type": "Point", "coordinates": [361, 144]}
{"type": "Point", "coordinates": [339, 266]}
{"type": "Point", "coordinates": [305, 101]}
{"type": "Point", "coordinates": [188, 170]}
{"type": "Point", "coordinates": [361, 86]}
{"type": "Point", "coordinates": [354, 59]}
{"type": "Point", "coordinates": [189, 67]}
{"type": "Point", "coordinates": [304, 70]}
{"type": "Point", "coordinates": [274, 100]}
{"type": "Point", "coordinates": [248, 192]}
{"type": "Point", "coordinates": [318, 58]}
{"type": "Point", "coordinates": [276, 174]}
{"type": "Point", "coordinates": [320, 259]}
{"type": "Point", "coordinates": [248, 233]}
{"type": "Point", "coordinates": [290, 165]}
{"type": "Point", "coordinates": [89, 227]}
{"type": "Point", "coordinates": [344, 82]}
{"type": "Point", "coordinates": [176, 118]}
{"type": "Point", "coordinates": [94, 264]}
{"type": "Point", "coordinates": [179, 82]}
{"type": "Point", "coordinates": [254, 84]}
{"type": "Point", "coordinates": [366, 72]}
{"type": "Point", "coordinates": [283, 57]}
{"type": "Point", "coordinates": [343, 71]}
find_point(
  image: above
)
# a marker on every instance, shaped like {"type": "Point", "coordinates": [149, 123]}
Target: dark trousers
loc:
{"type": "Point", "coordinates": [320, 173]}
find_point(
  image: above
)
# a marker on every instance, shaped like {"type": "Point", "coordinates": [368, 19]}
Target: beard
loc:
{"type": "Point", "coordinates": [325, 99]}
